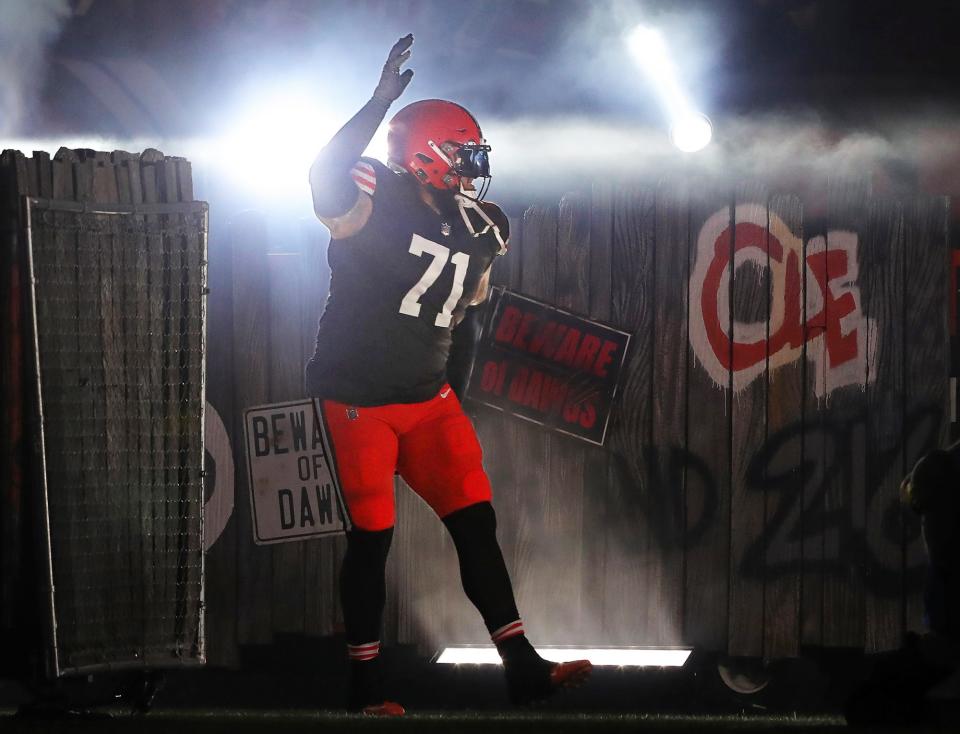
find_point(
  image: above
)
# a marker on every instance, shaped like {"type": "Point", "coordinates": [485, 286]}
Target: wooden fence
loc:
{"type": "Point", "coordinates": [786, 369]}
{"type": "Point", "coordinates": [785, 372]}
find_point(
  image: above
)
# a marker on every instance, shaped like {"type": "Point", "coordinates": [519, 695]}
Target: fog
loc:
{"type": "Point", "coordinates": [27, 30]}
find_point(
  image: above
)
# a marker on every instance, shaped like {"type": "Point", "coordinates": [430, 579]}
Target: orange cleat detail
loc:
{"type": "Point", "coordinates": [387, 708]}
{"type": "Point", "coordinates": [571, 674]}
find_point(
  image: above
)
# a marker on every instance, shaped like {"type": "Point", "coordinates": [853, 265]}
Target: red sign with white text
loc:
{"type": "Point", "coordinates": [548, 366]}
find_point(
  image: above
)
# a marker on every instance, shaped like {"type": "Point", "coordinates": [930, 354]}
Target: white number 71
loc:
{"type": "Point", "coordinates": [410, 305]}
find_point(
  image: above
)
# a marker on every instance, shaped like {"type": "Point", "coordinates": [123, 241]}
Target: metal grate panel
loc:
{"type": "Point", "coordinates": [118, 301]}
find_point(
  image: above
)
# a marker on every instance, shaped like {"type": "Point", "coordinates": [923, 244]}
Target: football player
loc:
{"type": "Point", "coordinates": [411, 247]}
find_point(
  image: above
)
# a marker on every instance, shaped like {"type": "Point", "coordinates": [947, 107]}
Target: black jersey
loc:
{"type": "Point", "coordinates": [397, 288]}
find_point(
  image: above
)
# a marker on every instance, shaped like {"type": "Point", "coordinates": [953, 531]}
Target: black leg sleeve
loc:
{"type": "Point", "coordinates": [482, 570]}
{"type": "Point", "coordinates": [334, 192]}
{"type": "Point", "coordinates": [463, 348]}
{"type": "Point", "coordinates": [363, 586]}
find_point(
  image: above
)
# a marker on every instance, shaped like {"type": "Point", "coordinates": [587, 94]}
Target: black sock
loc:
{"type": "Point", "coordinates": [366, 684]}
{"type": "Point", "coordinates": [482, 570]}
{"type": "Point", "coordinates": [517, 650]}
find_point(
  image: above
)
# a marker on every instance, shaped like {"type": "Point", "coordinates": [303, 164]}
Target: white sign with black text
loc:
{"type": "Point", "coordinates": [294, 488]}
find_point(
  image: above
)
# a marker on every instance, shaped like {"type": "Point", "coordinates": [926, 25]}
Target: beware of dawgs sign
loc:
{"type": "Point", "coordinates": [294, 489]}
{"type": "Point", "coordinates": [548, 366]}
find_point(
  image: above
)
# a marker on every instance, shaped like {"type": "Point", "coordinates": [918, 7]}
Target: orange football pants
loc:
{"type": "Point", "coordinates": [431, 444]}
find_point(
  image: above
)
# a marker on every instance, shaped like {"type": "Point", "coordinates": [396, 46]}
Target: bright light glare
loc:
{"type": "Point", "coordinates": [650, 51]}
{"type": "Point", "coordinates": [378, 146]}
{"type": "Point", "coordinates": [691, 133]}
{"type": "Point", "coordinates": [268, 147]}
{"type": "Point", "coordinates": [687, 125]}
{"type": "Point", "coordinates": [607, 656]}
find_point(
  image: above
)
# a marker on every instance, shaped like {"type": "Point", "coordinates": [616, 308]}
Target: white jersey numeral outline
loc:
{"type": "Point", "coordinates": [410, 305]}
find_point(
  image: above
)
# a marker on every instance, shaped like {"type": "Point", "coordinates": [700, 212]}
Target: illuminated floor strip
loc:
{"type": "Point", "coordinates": [612, 656]}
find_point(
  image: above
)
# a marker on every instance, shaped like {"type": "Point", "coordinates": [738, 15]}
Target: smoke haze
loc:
{"type": "Point", "coordinates": [28, 28]}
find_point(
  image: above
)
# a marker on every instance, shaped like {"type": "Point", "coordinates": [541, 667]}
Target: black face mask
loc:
{"type": "Point", "coordinates": [472, 160]}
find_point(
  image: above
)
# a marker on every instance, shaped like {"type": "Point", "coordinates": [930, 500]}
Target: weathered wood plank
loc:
{"type": "Point", "coordinates": [152, 518]}
{"type": "Point", "coordinates": [322, 556]}
{"type": "Point", "coordinates": [167, 180]}
{"type": "Point", "coordinates": [121, 162]}
{"type": "Point", "coordinates": [781, 458]}
{"type": "Point", "coordinates": [882, 282]}
{"type": "Point", "coordinates": [141, 363]}
{"type": "Point", "coordinates": [116, 508]}
{"type": "Point", "coordinates": [184, 179]}
{"type": "Point", "coordinates": [91, 601]}
{"type": "Point", "coordinates": [12, 408]}
{"type": "Point", "coordinates": [105, 184]}
{"type": "Point", "coordinates": [597, 467]}
{"type": "Point", "coordinates": [222, 569]}
{"type": "Point", "coordinates": [193, 397]}
{"type": "Point", "coordinates": [564, 515]}
{"type": "Point", "coordinates": [127, 266]}
{"type": "Point", "coordinates": [531, 445]}
{"type": "Point", "coordinates": [41, 162]}
{"type": "Point", "coordinates": [15, 439]}
{"type": "Point", "coordinates": [601, 250]}
{"type": "Point", "coordinates": [83, 178]}
{"type": "Point", "coordinates": [817, 445]}
{"type": "Point", "coordinates": [845, 482]}
{"type": "Point", "coordinates": [171, 393]}
{"type": "Point", "coordinates": [61, 345]}
{"type": "Point", "coordinates": [61, 174]}
{"type": "Point", "coordinates": [749, 327]}
{"type": "Point", "coordinates": [708, 438]}
{"type": "Point", "coordinates": [31, 178]}
{"type": "Point", "coordinates": [285, 366]}
{"type": "Point", "coordinates": [630, 543]}
{"type": "Point", "coordinates": [926, 363]}
{"type": "Point", "coordinates": [666, 496]}
{"type": "Point", "coordinates": [18, 181]}
{"type": "Point", "coordinates": [251, 298]}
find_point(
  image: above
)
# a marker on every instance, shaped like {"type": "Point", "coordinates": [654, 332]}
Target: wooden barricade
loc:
{"type": "Point", "coordinates": [785, 372]}
{"type": "Point", "coordinates": [746, 498]}
{"type": "Point", "coordinates": [118, 299]}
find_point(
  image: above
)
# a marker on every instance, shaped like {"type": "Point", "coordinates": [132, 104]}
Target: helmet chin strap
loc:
{"type": "Point", "coordinates": [464, 202]}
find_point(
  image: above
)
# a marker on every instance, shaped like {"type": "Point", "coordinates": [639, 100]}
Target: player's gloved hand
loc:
{"type": "Point", "coordinates": [392, 82]}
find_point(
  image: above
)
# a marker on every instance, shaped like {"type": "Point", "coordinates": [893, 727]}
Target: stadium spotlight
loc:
{"type": "Point", "coordinates": [690, 130]}
{"type": "Point", "coordinates": [641, 657]}
{"type": "Point", "coordinates": [691, 133]}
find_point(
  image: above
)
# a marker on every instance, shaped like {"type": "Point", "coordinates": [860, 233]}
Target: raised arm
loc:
{"type": "Point", "coordinates": [336, 199]}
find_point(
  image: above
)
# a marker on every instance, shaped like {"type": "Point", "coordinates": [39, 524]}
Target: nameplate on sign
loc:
{"type": "Point", "coordinates": [294, 488]}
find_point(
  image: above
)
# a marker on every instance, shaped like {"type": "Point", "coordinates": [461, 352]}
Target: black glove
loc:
{"type": "Point", "coordinates": [392, 82]}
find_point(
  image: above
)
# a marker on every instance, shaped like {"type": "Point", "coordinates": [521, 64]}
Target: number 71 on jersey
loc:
{"type": "Point", "coordinates": [410, 305]}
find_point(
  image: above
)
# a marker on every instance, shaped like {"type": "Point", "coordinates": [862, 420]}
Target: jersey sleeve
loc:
{"type": "Point", "coordinates": [364, 175]}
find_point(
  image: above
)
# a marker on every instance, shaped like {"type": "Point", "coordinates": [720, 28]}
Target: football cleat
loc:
{"type": "Point", "coordinates": [536, 680]}
{"type": "Point", "coordinates": [572, 674]}
{"type": "Point", "coordinates": [387, 708]}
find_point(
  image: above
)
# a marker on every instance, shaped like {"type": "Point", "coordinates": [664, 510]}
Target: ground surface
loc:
{"type": "Point", "coordinates": [300, 688]}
